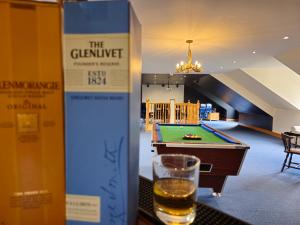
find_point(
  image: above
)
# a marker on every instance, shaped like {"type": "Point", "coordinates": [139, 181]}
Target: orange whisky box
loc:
{"type": "Point", "coordinates": [32, 181]}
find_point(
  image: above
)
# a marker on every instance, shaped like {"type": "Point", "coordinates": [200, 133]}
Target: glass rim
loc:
{"type": "Point", "coordinates": [174, 154]}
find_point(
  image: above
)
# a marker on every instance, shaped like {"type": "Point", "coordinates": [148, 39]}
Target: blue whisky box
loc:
{"type": "Point", "coordinates": [102, 67]}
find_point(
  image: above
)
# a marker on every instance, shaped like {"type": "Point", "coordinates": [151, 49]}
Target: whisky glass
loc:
{"type": "Point", "coordinates": [175, 183]}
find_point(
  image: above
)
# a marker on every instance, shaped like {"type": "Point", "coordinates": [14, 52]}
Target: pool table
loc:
{"type": "Point", "coordinates": [220, 154]}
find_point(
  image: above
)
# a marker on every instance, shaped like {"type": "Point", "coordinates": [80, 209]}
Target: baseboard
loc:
{"type": "Point", "coordinates": [265, 131]}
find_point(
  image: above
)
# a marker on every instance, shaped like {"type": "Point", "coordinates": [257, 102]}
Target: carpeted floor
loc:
{"type": "Point", "coordinates": [260, 194]}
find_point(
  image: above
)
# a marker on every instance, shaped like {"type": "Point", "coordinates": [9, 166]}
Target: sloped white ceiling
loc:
{"type": "Point", "coordinates": [282, 81]}
{"type": "Point", "coordinates": [291, 58]}
{"type": "Point", "coordinates": [224, 32]}
{"type": "Point", "coordinates": [241, 90]}
{"type": "Point", "coordinates": [261, 91]}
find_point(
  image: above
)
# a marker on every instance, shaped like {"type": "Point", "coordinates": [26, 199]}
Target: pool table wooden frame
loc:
{"type": "Point", "coordinates": [218, 160]}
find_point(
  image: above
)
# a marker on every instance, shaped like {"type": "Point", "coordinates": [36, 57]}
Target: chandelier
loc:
{"type": "Point", "coordinates": [183, 67]}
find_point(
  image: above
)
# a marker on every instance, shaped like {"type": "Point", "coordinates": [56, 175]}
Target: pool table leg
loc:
{"type": "Point", "coordinates": [214, 182]}
{"type": "Point", "coordinates": [216, 194]}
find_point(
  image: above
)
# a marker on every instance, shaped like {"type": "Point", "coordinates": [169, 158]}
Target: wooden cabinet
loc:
{"type": "Point", "coordinates": [213, 116]}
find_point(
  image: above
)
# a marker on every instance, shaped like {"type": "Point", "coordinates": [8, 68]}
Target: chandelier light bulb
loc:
{"type": "Point", "coordinates": [177, 65]}
{"type": "Point", "coordinates": [181, 63]}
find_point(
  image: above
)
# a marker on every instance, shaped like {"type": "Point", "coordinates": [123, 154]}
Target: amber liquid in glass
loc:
{"type": "Point", "coordinates": [174, 200]}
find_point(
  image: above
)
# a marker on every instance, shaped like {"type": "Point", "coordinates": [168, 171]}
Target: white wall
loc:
{"type": "Point", "coordinates": [157, 93]}
{"type": "Point", "coordinates": [284, 119]}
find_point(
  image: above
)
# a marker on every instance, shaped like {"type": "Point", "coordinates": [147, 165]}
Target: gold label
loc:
{"type": "Point", "coordinates": [27, 122]}
{"type": "Point", "coordinates": [30, 199]}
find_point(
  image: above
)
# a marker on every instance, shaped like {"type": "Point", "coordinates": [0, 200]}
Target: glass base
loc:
{"type": "Point", "coordinates": [176, 220]}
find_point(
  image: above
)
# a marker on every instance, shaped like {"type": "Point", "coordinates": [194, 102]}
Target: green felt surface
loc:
{"type": "Point", "coordinates": [176, 134]}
